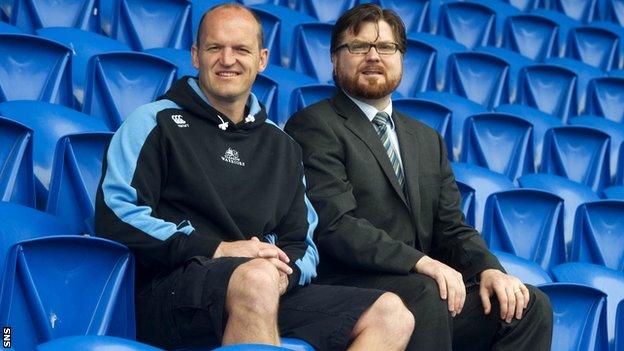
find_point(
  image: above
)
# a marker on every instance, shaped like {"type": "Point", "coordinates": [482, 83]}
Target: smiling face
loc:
{"type": "Point", "coordinates": [229, 54]}
{"type": "Point", "coordinates": [368, 76]}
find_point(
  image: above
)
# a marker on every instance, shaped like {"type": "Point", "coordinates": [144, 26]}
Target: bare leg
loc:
{"type": "Point", "coordinates": [252, 301]}
{"type": "Point", "coordinates": [386, 325]}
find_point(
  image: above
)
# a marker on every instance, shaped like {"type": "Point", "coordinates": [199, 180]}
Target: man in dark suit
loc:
{"type": "Point", "coordinates": [389, 207]}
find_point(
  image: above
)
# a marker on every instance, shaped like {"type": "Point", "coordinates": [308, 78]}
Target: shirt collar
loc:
{"type": "Point", "coordinates": [370, 111]}
{"type": "Point", "coordinates": [252, 102]}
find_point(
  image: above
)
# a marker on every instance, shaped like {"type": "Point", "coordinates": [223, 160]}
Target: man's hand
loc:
{"type": "Point", "coordinates": [255, 248]}
{"type": "Point", "coordinates": [449, 281]}
{"type": "Point", "coordinates": [512, 294]}
{"type": "Point", "coordinates": [283, 283]}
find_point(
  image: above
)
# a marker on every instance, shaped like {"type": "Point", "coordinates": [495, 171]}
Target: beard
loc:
{"type": "Point", "coordinates": [371, 88]}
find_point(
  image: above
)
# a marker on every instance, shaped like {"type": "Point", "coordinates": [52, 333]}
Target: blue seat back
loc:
{"type": "Point", "coordinates": [527, 271]}
{"type": "Point", "coordinates": [580, 10]}
{"type": "Point", "coordinates": [271, 27]}
{"type": "Point", "coordinates": [444, 47]}
{"type": "Point", "coordinates": [564, 23]}
{"type": "Point", "coordinates": [179, 57]}
{"type": "Point", "coordinates": [595, 46]}
{"type": "Point", "coordinates": [17, 182]}
{"type": "Point", "coordinates": [469, 24]}
{"type": "Point", "coordinates": [414, 13]}
{"type": "Point", "coordinates": [93, 342]}
{"type": "Point", "coordinates": [311, 51]}
{"type": "Point", "coordinates": [33, 68]}
{"type": "Point", "coordinates": [75, 177]}
{"type": "Point", "coordinates": [6, 28]}
{"type": "Point", "coordinates": [524, 5]}
{"type": "Point", "coordinates": [33, 14]}
{"type": "Point", "coordinates": [468, 195]}
{"type": "Point", "coordinates": [584, 74]}
{"type": "Point", "coordinates": [419, 74]}
{"type": "Point", "coordinates": [310, 94]}
{"type": "Point", "coordinates": [89, 289]}
{"type": "Point", "coordinates": [579, 321]}
{"type": "Point", "coordinates": [548, 88]}
{"type": "Point", "coordinates": [119, 82]}
{"type": "Point", "coordinates": [532, 36]}
{"type": "Point", "coordinates": [502, 143]}
{"type": "Point", "coordinates": [265, 90]}
{"type": "Point", "coordinates": [598, 234]}
{"type": "Point", "coordinates": [614, 11]}
{"type": "Point", "coordinates": [578, 153]}
{"type": "Point", "coordinates": [287, 80]}
{"type": "Point", "coordinates": [619, 328]}
{"type": "Point", "coordinates": [614, 192]}
{"type": "Point", "coordinates": [605, 97]}
{"type": "Point", "coordinates": [325, 11]}
{"type": "Point", "coordinates": [608, 281]}
{"type": "Point", "coordinates": [430, 113]}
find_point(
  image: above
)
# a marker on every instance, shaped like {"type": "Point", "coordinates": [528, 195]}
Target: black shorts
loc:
{"type": "Point", "coordinates": [187, 308]}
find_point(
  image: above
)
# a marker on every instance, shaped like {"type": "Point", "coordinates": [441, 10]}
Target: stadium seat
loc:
{"type": "Point", "coordinates": [84, 46]}
{"type": "Point", "coordinates": [17, 182]}
{"type": "Point", "coordinates": [598, 234]}
{"type": "Point", "coordinates": [469, 24]}
{"type": "Point", "coordinates": [89, 289]}
{"type": "Point", "coordinates": [6, 28]}
{"type": "Point", "coordinates": [618, 73]}
{"type": "Point", "coordinates": [533, 36]}
{"type": "Point", "coordinates": [33, 68]}
{"type": "Point", "coordinates": [271, 27]}
{"type": "Point", "coordinates": [594, 46]}
{"type": "Point", "coordinates": [527, 223]}
{"type": "Point", "coordinates": [414, 13]}
{"type": "Point", "coordinates": [572, 193]}
{"type": "Point", "coordinates": [180, 58]}
{"type": "Point", "coordinates": [527, 271]}
{"type": "Point", "coordinates": [564, 23]}
{"type": "Point", "coordinates": [119, 82]}
{"type": "Point", "coordinates": [606, 280]}
{"type": "Point", "coordinates": [482, 182]}
{"type": "Point", "coordinates": [499, 142]}
{"type": "Point", "coordinates": [580, 10]}
{"type": "Point", "coordinates": [325, 11]}
{"type": "Point", "coordinates": [613, 129]}
{"type": "Point", "coordinates": [49, 122]}
{"type": "Point", "coordinates": [419, 73]}
{"type": "Point", "coordinates": [614, 11]}
{"type": "Point", "coordinates": [93, 343]}
{"type": "Point", "coordinates": [467, 194]}
{"type": "Point", "coordinates": [605, 97]}
{"type": "Point", "coordinates": [75, 177]}
{"type": "Point", "coordinates": [516, 63]}
{"type": "Point", "coordinates": [614, 192]}
{"type": "Point", "coordinates": [266, 90]}
{"type": "Point", "coordinates": [578, 153]}
{"type": "Point", "coordinates": [153, 24]}
{"type": "Point", "coordinates": [311, 55]}
{"type": "Point", "coordinates": [579, 318]}
{"type": "Point", "coordinates": [430, 113]}
{"type": "Point", "coordinates": [309, 94]}
{"type": "Point", "coordinates": [30, 15]}
{"type": "Point", "coordinates": [620, 169]}
{"type": "Point", "coordinates": [524, 5]}
{"type": "Point", "coordinates": [584, 74]}
{"type": "Point", "coordinates": [444, 48]}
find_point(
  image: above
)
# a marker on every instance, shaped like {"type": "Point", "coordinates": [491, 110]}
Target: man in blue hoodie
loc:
{"type": "Point", "coordinates": [210, 197]}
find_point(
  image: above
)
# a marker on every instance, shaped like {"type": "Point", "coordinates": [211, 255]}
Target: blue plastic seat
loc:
{"type": "Point", "coordinates": [467, 194]}
{"type": "Point", "coordinates": [325, 11]}
{"type": "Point", "coordinates": [288, 344]}
{"type": "Point", "coordinates": [33, 68]}
{"type": "Point", "coordinates": [580, 10]}
{"type": "Point", "coordinates": [502, 11]}
{"type": "Point", "coordinates": [605, 97]}
{"type": "Point", "coordinates": [619, 178]}
{"type": "Point", "coordinates": [533, 36]}
{"type": "Point", "coordinates": [469, 24]}
{"type": "Point", "coordinates": [499, 142]}
{"type": "Point", "coordinates": [572, 193]}
{"type": "Point", "coordinates": [414, 13]}
{"type": "Point", "coordinates": [614, 192]}
{"type": "Point", "coordinates": [578, 153]}
{"type": "Point", "coordinates": [579, 318]}
{"type": "Point", "coordinates": [50, 123]}
{"type": "Point", "coordinates": [17, 182]}
{"type": "Point", "coordinates": [119, 82]}
{"type": "Point", "coordinates": [153, 24]}
{"type": "Point", "coordinates": [619, 328]}
{"type": "Point", "coordinates": [584, 74]}
{"type": "Point", "coordinates": [68, 285]}
{"type": "Point", "coordinates": [75, 177]}
{"type": "Point", "coordinates": [524, 5]}
{"type": "Point", "coordinates": [527, 271]}
{"type": "Point", "coordinates": [419, 74]}
{"type": "Point", "coordinates": [30, 15]}
{"type": "Point", "coordinates": [598, 234]}
{"type": "Point", "coordinates": [527, 223]}
{"type": "Point", "coordinates": [564, 23]}
{"type": "Point", "coordinates": [311, 54]}
{"type": "Point", "coordinates": [266, 91]}
{"type": "Point", "coordinates": [287, 81]}
{"type": "Point", "coordinates": [271, 27]}
{"type": "Point", "coordinates": [597, 47]}
{"type": "Point", "coordinates": [516, 63]}
{"type": "Point", "coordinates": [614, 11]}
{"type": "Point", "coordinates": [432, 114]}
{"type": "Point", "coordinates": [93, 343]}
{"type": "Point", "coordinates": [481, 183]}
{"type": "Point", "coordinates": [180, 58]}
{"type": "Point", "coordinates": [309, 94]}
{"type": "Point", "coordinates": [84, 46]}
{"type": "Point", "coordinates": [444, 48]}
{"type": "Point", "coordinates": [613, 129]}
{"type": "Point", "coordinates": [6, 28]}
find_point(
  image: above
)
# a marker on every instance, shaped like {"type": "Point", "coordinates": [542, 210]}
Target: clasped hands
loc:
{"type": "Point", "coordinates": [512, 294]}
{"type": "Point", "coordinates": [254, 248]}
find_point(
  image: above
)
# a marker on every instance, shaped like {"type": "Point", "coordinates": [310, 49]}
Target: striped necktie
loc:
{"type": "Point", "coordinates": [381, 125]}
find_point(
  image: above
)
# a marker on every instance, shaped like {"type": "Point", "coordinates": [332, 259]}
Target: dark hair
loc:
{"type": "Point", "coordinates": [353, 19]}
{"type": "Point", "coordinates": [235, 6]}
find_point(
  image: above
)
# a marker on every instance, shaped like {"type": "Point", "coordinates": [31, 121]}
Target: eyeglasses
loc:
{"type": "Point", "coordinates": [361, 48]}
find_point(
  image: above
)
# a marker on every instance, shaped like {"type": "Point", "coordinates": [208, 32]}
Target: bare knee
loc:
{"type": "Point", "coordinates": [390, 316]}
{"type": "Point", "coordinates": [254, 287]}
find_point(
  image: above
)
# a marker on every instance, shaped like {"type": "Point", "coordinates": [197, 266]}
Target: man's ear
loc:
{"type": "Point", "coordinates": [264, 59]}
{"type": "Point", "coordinates": [195, 56]}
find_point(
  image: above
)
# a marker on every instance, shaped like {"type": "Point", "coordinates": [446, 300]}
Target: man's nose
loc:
{"type": "Point", "coordinates": [227, 56]}
{"type": "Point", "coordinates": [372, 54]}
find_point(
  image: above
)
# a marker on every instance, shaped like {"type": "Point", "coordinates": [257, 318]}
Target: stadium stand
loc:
{"type": "Point", "coordinates": [30, 15]}
{"type": "Point", "coordinates": [584, 74]}
{"type": "Point", "coordinates": [532, 36]}
{"type": "Point", "coordinates": [597, 47]}
{"type": "Point", "coordinates": [469, 24]}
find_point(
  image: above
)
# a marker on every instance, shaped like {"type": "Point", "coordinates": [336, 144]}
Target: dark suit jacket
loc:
{"type": "Point", "coordinates": [366, 221]}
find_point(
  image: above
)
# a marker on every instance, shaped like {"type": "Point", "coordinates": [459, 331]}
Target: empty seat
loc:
{"type": "Point", "coordinates": [30, 15]}
{"type": "Point", "coordinates": [311, 51]}
{"type": "Point", "coordinates": [310, 94]}
{"type": "Point", "coordinates": [533, 36]}
{"type": "Point", "coordinates": [444, 48]}
{"type": "Point", "coordinates": [584, 74]}
{"type": "Point", "coordinates": [499, 142]}
{"type": "Point", "coordinates": [119, 82]}
{"type": "Point", "coordinates": [75, 176]}
{"type": "Point", "coordinates": [605, 97]}
{"type": "Point", "coordinates": [527, 271]}
{"type": "Point", "coordinates": [93, 343]}
{"type": "Point", "coordinates": [419, 75]}
{"type": "Point", "coordinates": [325, 11]}
{"type": "Point", "coordinates": [265, 90]}
{"type": "Point", "coordinates": [598, 234]}
{"type": "Point", "coordinates": [527, 223]}
{"type": "Point", "coordinates": [432, 114]}
{"type": "Point", "coordinates": [271, 28]}
{"type": "Point", "coordinates": [469, 24]}
{"type": "Point", "coordinates": [524, 5]}
{"type": "Point", "coordinates": [33, 68]}
{"type": "Point", "coordinates": [564, 23]}
{"type": "Point", "coordinates": [614, 11]}
{"type": "Point", "coordinates": [619, 177]}
{"type": "Point", "coordinates": [481, 182]}
{"type": "Point", "coordinates": [579, 321]}
{"type": "Point", "coordinates": [6, 28]}
{"type": "Point", "coordinates": [49, 122]}
{"type": "Point", "coordinates": [580, 10]}
{"type": "Point", "coordinates": [578, 153]}
{"type": "Point", "coordinates": [17, 182]}
{"type": "Point", "coordinates": [572, 193]}
{"type": "Point", "coordinates": [502, 11]}
{"type": "Point", "coordinates": [84, 46]}
{"type": "Point", "coordinates": [516, 63]}
{"type": "Point", "coordinates": [597, 47]}
{"type": "Point", "coordinates": [153, 24]}
{"type": "Point", "coordinates": [89, 289]}
{"type": "Point", "coordinates": [414, 13]}
{"type": "Point", "coordinates": [287, 81]}
{"type": "Point", "coordinates": [179, 57]}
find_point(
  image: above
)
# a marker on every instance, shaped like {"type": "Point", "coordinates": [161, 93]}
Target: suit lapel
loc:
{"type": "Point", "coordinates": [357, 123]}
{"type": "Point", "coordinates": [408, 142]}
